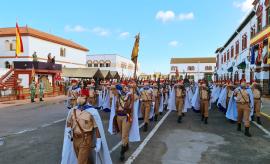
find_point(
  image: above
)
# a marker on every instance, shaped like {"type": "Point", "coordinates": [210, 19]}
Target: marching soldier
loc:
{"type": "Point", "coordinates": [92, 94]}
{"type": "Point", "coordinates": [156, 96]}
{"type": "Point", "coordinates": [33, 91]}
{"type": "Point", "coordinates": [73, 93]}
{"type": "Point", "coordinates": [204, 101]}
{"type": "Point", "coordinates": [257, 101]}
{"type": "Point", "coordinates": [124, 109]}
{"type": "Point", "coordinates": [243, 107]}
{"type": "Point", "coordinates": [146, 98]}
{"type": "Point", "coordinates": [83, 127]}
{"type": "Point", "coordinates": [179, 99]}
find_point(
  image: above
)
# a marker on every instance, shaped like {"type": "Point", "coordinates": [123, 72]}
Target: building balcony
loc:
{"type": "Point", "coordinates": [260, 36]}
{"type": "Point", "coordinates": [37, 65]}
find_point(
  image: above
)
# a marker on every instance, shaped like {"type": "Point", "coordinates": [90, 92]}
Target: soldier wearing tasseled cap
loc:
{"type": "Point", "coordinates": [73, 93]}
{"type": "Point", "coordinates": [156, 96]}
{"type": "Point", "coordinates": [257, 92]}
{"type": "Point", "coordinates": [179, 99]}
{"type": "Point", "coordinates": [147, 99]}
{"type": "Point", "coordinates": [204, 101]}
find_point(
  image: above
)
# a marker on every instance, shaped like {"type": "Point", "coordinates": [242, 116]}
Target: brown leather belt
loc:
{"type": "Point", "coordinates": [81, 135]}
{"type": "Point", "coordinates": [146, 100]}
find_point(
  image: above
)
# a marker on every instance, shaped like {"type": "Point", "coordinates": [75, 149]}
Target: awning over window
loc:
{"type": "Point", "coordinates": [230, 69]}
{"type": "Point", "coordinates": [242, 65]}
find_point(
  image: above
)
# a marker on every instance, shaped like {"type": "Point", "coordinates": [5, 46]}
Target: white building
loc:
{"type": "Point", "coordinates": [194, 68]}
{"type": "Point", "coordinates": [113, 62]}
{"type": "Point", "coordinates": [66, 52]}
{"type": "Point", "coordinates": [246, 53]}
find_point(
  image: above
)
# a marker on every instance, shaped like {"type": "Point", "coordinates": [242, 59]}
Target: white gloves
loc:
{"type": "Point", "coordinates": [98, 145]}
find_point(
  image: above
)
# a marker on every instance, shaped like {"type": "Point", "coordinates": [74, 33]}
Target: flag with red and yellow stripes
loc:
{"type": "Point", "coordinates": [19, 43]}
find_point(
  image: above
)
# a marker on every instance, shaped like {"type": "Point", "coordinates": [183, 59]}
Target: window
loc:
{"type": "Point", "coordinates": [221, 59]}
{"type": "Point", "coordinates": [237, 48]}
{"type": "Point", "coordinates": [224, 57]}
{"type": "Point", "coordinates": [108, 63]}
{"type": "Point", "coordinates": [173, 68]}
{"type": "Point", "coordinates": [244, 42]}
{"type": "Point", "coordinates": [89, 63]}
{"type": "Point", "coordinates": [259, 23]}
{"type": "Point", "coordinates": [63, 52]}
{"type": "Point", "coordinates": [208, 68]}
{"type": "Point", "coordinates": [13, 45]}
{"type": "Point", "coordinates": [232, 51]}
{"type": "Point", "coordinates": [190, 68]}
{"type": "Point", "coordinates": [95, 63]}
{"type": "Point", "coordinates": [228, 55]}
{"type": "Point", "coordinates": [267, 12]}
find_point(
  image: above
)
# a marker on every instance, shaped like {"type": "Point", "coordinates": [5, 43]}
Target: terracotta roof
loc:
{"type": "Point", "coordinates": [27, 31]}
{"type": "Point", "coordinates": [193, 60]}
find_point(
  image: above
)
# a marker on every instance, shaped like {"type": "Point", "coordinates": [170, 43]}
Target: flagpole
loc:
{"type": "Point", "coordinates": [135, 71]}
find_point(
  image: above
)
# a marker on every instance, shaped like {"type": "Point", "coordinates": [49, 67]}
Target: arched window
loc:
{"type": "Point", "coordinates": [101, 63]}
{"type": "Point", "coordinates": [244, 42]}
{"type": "Point", "coordinates": [89, 63]}
{"type": "Point", "coordinates": [108, 63]}
{"type": "Point", "coordinates": [237, 48]}
{"type": "Point", "coordinates": [95, 63]}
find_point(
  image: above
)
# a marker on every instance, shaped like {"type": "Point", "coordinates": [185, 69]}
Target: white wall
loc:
{"type": "Point", "coordinates": [116, 61]}
{"type": "Point", "coordinates": [74, 58]}
{"type": "Point", "coordinates": [198, 72]}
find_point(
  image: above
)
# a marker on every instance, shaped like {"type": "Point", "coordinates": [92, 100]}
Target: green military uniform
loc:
{"type": "Point", "coordinates": [33, 91]}
{"type": "Point", "coordinates": [41, 90]}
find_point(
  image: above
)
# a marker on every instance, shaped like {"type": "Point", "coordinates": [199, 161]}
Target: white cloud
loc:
{"type": "Point", "coordinates": [76, 28]}
{"type": "Point", "coordinates": [165, 16]}
{"type": "Point", "coordinates": [173, 43]}
{"type": "Point", "coordinates": [186, 16]}
{"type": "Point", "coordinates": [100, 31]}
{"type": "Point", "coordinates": [124, 34]}
{"type": "Point", "coordinates": [245, 5]}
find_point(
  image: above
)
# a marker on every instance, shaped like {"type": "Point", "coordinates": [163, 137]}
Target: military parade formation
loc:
{"type": "Point", "coordinates": [128, 101]}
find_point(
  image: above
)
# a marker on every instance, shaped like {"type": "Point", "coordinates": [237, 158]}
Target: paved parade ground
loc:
{"type": "Point", "coordinates": [33, 133]}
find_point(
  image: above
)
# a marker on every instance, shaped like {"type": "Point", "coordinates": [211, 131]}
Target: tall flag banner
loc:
{"type": "Point", "coordinates": [135, 50]}
{"type": "Point", "coordinates": [19, 43]}
{"type": "Point", "coordinates": [134, 55]}
{"type": "Point", "coordinates": [268, 52]}
{"type": "Point", "coordinates": [252, 59]}
{"type": "Point", "coordinates": [177, 73]}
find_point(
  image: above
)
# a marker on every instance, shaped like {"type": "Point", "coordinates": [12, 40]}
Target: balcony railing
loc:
{"type": "Point", "coordinates": [37, 65]}
{"type": "Point", "coordinates": [260, 31]}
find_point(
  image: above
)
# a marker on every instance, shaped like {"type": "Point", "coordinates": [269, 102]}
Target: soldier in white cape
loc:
{"type": "Point", "coordinates": [102, 150]}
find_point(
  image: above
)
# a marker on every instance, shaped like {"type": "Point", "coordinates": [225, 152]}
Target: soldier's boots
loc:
{"type": "Point", "coordinates": [127, 147]}
{"type": "Point", "coordinates": [179, 120]}
{"type": "Point", "coordinates": [156, 118]}
{"type": "Point", "coordinates": [161, 113]}
{"type": "Point", "coordinates": [202, 118]}
{"type": "Point", "coordinates": [259, 120]}
{"type": "Point", "coordinates": [247, 132]}
{"type": "Point", "coordinates": [239, 127]}
{"type": "Point", "coordinates": [122, 153]}
{"type": "Point", "coordinates": [183, 114]}
{"type": "Point", "coordinates": [145, 127]}
{"type": "Point", "coordinates": [32, 100]}
{"type": "Point", "coordinates": [252, 118]}
{"type": "Point", "coordinates": [206, 120]}
{"type": "Point", "coordinates": [40, 99]}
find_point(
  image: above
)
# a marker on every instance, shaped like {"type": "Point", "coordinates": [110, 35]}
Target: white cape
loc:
{"type": "Point", "coordinates": [134, 132]}
{"type": "Point", "coordinates": [188, 99]}
{"type": "Point", "coordinates": [171, 102]}
{"type": "Point", "coordinates": [196, 100]}
{"type": "Point", "coordinates": [161, 104]}
{"type": "Point", "coordinates": [106, 100]}
{"type": "Point", "coordinates": [68, 153]}
{"type": "Point", "coordinates": [222, 98]}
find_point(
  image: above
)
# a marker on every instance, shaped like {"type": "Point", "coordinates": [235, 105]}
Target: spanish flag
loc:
{"type": "Point", "coordinates": [19, 43]}
{"type": "Point", "coordinates": [135, 50]}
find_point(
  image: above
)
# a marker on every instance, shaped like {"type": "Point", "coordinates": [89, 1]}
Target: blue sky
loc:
{"type": "Point", "coordinates": [169, 28]}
